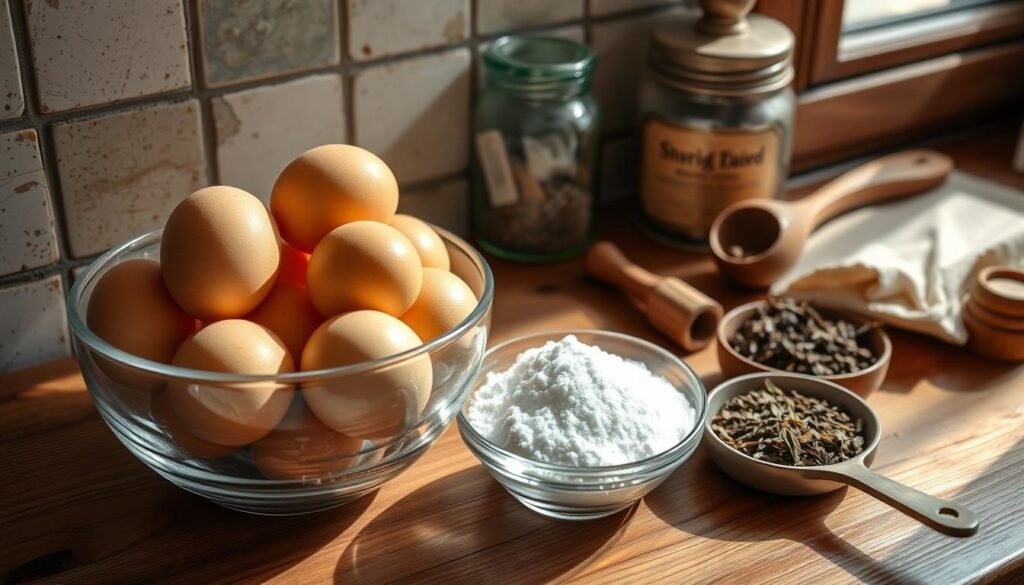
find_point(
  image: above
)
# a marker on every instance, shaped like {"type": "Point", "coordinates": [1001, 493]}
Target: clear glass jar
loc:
{"type": "Point", "coordinates": [705, 126]}
{"type": "Point", "coordinates": [536, 134]}
{"type": "Point", "coordinates": [716, 116]}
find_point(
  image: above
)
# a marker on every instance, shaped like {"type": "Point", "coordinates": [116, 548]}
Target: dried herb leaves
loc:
{"type": "Point", "coordinates": [792, 336]}
{"type": "Point", "coordinates": [788, 428]}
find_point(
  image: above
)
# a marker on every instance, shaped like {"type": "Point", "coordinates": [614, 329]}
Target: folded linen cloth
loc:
{"type": "Point", "coordinates": [909, 263]}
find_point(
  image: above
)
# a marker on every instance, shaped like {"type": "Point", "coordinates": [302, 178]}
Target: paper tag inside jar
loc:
{"type": "Point", "coordinates": [501, 185]}
{"type": "Point", "coordinates": [689, 175]}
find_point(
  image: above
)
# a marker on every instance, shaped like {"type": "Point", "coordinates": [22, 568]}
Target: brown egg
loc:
{"type": "Point", "coordinates": [433, 253]}
{"type": "Point", "coordinates": [232, 415]}
{"type": "Point", "coordinates": [330, 186]}
{"type": "Point", "coordinates": [373, 404]}
{"type": "Point", "coordinates": [130, 309]}
{"type": "Point", "coordinates": [303, 447]}
{"type": "Point", "coordinates": [163, 413]}
{"type": "Point", "coordinates": [294, 264]}
{"type": "Point", "coordinates": [288, 312]}
{"type": "Point", "coordinates": [219, 253]}
{"type": "Point", "coordinates": [364, 265]}
{"type": "Point", "coordinates": [443, 303]}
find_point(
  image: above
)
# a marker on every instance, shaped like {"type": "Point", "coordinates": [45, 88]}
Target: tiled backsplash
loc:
{"type": "Point", "coordinates": [112, 111]}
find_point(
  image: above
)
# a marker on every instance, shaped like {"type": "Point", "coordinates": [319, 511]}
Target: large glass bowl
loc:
{"type": "Point", "coordinates": [585, 493]}
{"type": "Point", "coordinates": [134, 397]}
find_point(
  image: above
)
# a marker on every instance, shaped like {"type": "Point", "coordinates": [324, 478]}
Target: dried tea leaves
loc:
{"type": "Point", "coordinates": [792, 336]}
{"type": "Point", "coordinates": [788, 428]}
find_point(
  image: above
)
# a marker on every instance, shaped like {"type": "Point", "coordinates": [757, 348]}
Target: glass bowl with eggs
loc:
{"type": "Point", "coordinates": [291, 359]}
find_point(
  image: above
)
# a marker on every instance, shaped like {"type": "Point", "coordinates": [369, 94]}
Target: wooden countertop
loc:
{"type": "Point", "coordinates": [75, 506]}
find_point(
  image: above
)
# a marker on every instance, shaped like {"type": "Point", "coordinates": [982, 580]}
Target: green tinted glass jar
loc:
{"type": "Point", "coordinates": [536, 130]}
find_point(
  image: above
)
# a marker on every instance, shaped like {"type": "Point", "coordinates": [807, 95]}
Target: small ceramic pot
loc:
{"type": "Point", "coordinates": [862, 383]}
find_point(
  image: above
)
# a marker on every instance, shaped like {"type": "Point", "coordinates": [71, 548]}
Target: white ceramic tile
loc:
{"type": "Point", "coordinates": [496, 16]}
{"type": "Point", "coordinates": [620, 46]}
{"type": "Point", "coordinates": [122, 174]}
{"type": "Point", "coordinates": [28, 238]}
{"type": "Point", "coordinates": [572, 32]}
{"type": "Point", "coordinates": [102, 51]}
{"type": "Point", "coordinates": [619, 160]}
{"type": "Point", "coordinates": [12, 99]}
{"type": "Point", "coordinates": [262, 38]}
{"type": "Point", "coordinates": [259, 131]}
{"type": "Point", "coordinates": [33, 326]}
{"type": "Point", "coordinates": [414, 114]}
{"type": "Point", "coordinates": [605, 7]}
{"type": "Point", "coordinates": [377, 28]}
{"type": "Point", "coordinates": [445, 205]}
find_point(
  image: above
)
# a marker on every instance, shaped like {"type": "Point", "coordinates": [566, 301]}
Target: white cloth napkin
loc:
{"type": "Point", "coordinates": [909, 263]}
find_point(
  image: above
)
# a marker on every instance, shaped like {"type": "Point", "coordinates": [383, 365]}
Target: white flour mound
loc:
{"type": "Point", "coordinates": [569, 403]}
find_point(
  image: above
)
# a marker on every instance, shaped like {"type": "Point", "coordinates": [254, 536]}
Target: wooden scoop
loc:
{"type": "Point", "coordinates": [683, 313]}
{"type": "Point", "coordinates": [756, 241]}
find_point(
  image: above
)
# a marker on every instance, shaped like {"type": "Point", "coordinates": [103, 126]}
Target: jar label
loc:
{"type": "Point", "coordinates": [689, 175]}
{"type": "Point", "coordinates": [501, 186]}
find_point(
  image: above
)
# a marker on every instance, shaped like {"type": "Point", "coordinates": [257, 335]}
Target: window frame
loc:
{"type": "Point", "coordinates": [905, 42]}
{"type": "Point", "coordinates": [904, 76]}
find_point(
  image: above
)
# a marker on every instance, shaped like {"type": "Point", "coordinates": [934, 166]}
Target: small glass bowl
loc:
{"type": "Point", "coordinates": [134, 395]}
{"type": "Point", "coordinates": [586, 493]}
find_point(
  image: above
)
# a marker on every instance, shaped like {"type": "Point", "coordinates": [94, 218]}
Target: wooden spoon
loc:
{"type": "Point", "coordinates": [756, 241]}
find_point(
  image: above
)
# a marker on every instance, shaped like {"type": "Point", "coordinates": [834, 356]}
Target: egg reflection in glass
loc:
{"type": "Point", "coordinates": [378, 403]}
{"type": "Point", "coordinates": [235, 414]}
{"type": "Point", "coordinates": [163, 412]}
{"type": "Point", "coordinates": [303, 447]}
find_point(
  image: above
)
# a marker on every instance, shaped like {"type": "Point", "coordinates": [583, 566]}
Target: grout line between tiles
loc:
{"type": "Point", "coordinates": [31, 119]}
{"type": "Point", "coordinates": [207, 128]}
{"type": "Point", "coordinates": [346, 67]}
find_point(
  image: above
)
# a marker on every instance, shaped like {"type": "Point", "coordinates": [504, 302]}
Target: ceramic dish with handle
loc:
{"type": "Point", "coordinates": [944, 516]}
{"type": "Point", "coordinates": [862, 382]}
{"type": "Point", "coordinates": [586, 493]}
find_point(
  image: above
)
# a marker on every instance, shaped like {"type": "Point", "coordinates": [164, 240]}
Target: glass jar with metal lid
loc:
{"type": "Point", "coordinates": [536, 130]}
{"type": "Point", "coordinates": [716, 116]}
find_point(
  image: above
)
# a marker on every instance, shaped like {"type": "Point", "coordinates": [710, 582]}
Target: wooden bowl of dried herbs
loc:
{"type": "Point", "coordinates": [788, 336]}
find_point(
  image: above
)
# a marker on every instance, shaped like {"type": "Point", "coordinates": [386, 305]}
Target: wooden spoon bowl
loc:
{"type": "Point", "coordinates": [862, 383]}
{"type": "Point", "coordinates": [756, 241]}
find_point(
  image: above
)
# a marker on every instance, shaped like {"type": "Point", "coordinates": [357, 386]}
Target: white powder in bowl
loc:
{"type": "Point", "coordinates": [570, 403]}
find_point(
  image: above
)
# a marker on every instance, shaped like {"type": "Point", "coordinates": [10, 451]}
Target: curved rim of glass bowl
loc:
{"type": "Point", "coordinates": [107, 260]}
{"type": "Point", "coordinates": [647, 465]}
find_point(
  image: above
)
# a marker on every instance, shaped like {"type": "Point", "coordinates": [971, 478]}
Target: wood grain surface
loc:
{"type": "Point", "coordinates": [76, 507]}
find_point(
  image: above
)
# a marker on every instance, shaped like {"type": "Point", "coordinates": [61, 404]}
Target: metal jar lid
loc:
{"type": "Point", "coordinates": [723, 51]}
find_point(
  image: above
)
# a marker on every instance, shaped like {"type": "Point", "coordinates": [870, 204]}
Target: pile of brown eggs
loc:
{"type": "Point", "coordinates": [329, 276]}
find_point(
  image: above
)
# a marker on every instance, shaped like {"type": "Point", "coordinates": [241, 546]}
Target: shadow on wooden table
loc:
{"type": "Point", "coordinates": [917, 357]}
{"type": "Point", "coordinates": [465, 528]}
{"type": "Point", "coordinates": [995, 495]}
{"type": "Point", "coordinates": [699, 499]}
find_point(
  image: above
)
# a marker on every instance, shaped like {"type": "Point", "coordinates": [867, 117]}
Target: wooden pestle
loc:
{"type": "Point", "coordinates": [683, 313]}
